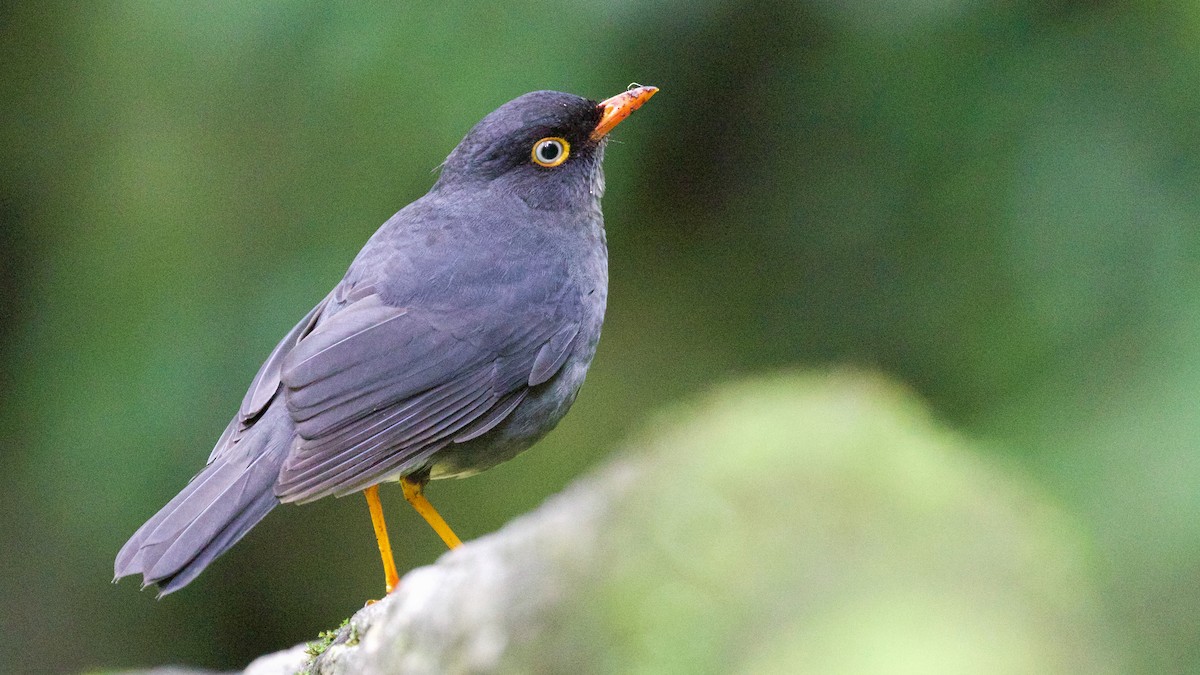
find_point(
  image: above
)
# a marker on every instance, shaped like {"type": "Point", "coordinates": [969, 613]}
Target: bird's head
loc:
{"type": "Point", "coordinates": [545, 147]}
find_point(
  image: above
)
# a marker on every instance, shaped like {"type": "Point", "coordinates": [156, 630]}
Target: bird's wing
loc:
{"type": "Point", "coordinates": [376, 389]}
{"type": "Point", "coordinates": [265, 385]}
{"type": "Point", "coordinates": [266, 382]}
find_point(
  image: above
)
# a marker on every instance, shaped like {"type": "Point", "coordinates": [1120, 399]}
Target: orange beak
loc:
{"type": "Point", "coordinates": [619, 107]}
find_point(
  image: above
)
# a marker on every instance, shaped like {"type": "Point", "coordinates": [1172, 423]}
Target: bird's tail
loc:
{"type": "Point", "coordinates": [216, 509]}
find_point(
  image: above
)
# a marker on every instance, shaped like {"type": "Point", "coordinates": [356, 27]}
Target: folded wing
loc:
{"type": "Point", "coordinates": [375, 390]}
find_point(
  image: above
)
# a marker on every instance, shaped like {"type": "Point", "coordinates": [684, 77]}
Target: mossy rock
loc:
{"type": "Point", "coordinates": [791, 524]}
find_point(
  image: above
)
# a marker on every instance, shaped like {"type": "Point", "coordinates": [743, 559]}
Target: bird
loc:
{"type": "Point", "coordinates": [459, 336]}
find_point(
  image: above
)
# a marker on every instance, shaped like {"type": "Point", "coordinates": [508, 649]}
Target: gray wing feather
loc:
{"type": "Point", "coordinates": [323, 461]}
{"type": "Point", "coordinates": [374, 389]}
{"type": "Point", "coordinates": [552, 355]}
{"type": "Point", "coordinates": [495, 415]}
{"type": "Point", "coordinates": [266, 382]}
{"type": "Point", "coordinates": [366, 358]}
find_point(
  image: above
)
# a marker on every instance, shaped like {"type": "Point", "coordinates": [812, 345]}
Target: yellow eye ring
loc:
{"type": "Point", "coordinates": [551, 151]}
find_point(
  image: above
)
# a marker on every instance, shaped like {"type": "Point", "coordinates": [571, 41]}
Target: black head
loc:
{"type": "Point", "coordinates": [545, 147]}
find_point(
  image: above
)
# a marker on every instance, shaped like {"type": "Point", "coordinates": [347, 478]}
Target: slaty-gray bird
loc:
{"type": "Point", "coordinates": [459, 336]}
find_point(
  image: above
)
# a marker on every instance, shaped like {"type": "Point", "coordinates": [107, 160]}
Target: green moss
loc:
{"type": "Point", "coordinates": [324, 641]}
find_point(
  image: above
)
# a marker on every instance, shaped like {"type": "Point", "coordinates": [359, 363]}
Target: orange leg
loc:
{"type": "Point", "coordinates": [390, 579]}
{"type": "Point", "coordinates": [413, 493]}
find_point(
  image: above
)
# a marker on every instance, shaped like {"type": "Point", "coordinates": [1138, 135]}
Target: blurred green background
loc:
{"type": "Point", "coordinates": [993, 201]}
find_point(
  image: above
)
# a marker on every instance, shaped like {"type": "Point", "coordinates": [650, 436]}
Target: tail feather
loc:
{"type": "Point", "coordinates": [233, 532]}
{"type": "Point", "coordinates": [152, 539]}
{"type": "Point", "coordinates": [216, 509]}
{"type": "Point", "coordinates": [225, 508]}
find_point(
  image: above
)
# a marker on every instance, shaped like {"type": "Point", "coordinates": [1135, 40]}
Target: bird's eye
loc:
{"type": "Point", "coordinates": [550, 152]}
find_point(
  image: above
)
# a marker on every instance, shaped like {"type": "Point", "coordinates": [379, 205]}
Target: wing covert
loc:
{"type": "Point", "coordinates": [375, 389]}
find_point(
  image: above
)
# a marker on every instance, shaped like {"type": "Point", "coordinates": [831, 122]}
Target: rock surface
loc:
{"type": "Point", "coordinates": [799, 523]}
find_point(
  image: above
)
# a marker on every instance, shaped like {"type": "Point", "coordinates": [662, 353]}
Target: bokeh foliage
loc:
{"type": "Point", "coordinates": [992, 201]}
